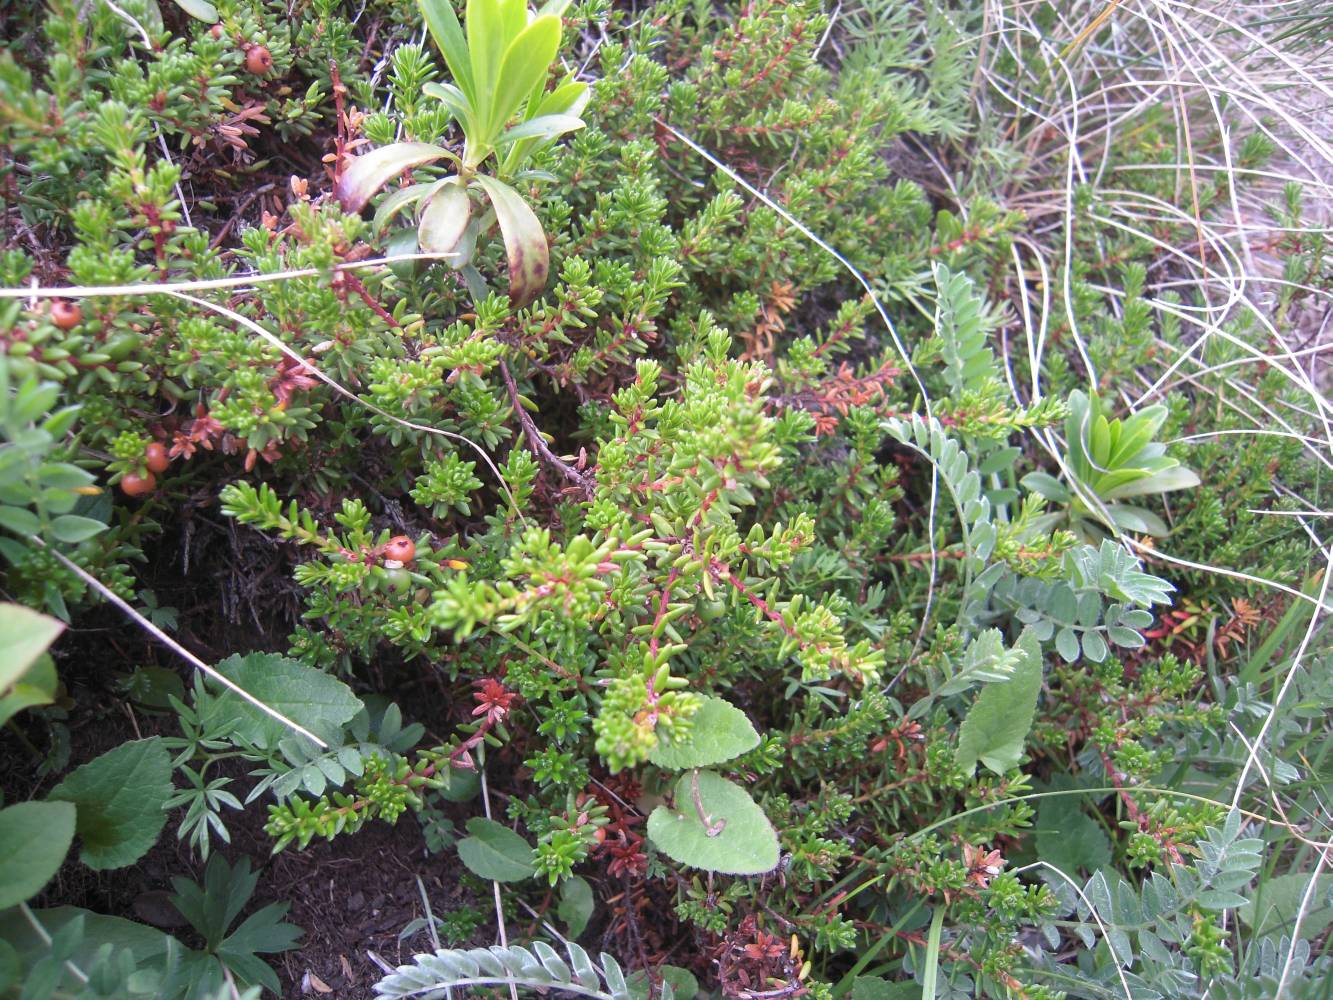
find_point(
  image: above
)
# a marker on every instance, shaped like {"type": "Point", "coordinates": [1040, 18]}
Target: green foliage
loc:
{"type": "Point", "coordinates": [27, 675]}
{"type": "Point", "coordinates": [120, 797]}
{"type": "Point", "coordinates": [996, 726]}
{"type": "Point", "coordinates": [499, 72]}
{"type": "Point", "coordinates": [719, 732]}
{"type": "Point", "coordinates": [29, 475]}
{"type": "Point", "coordinates": [715, 825]}
{"type": "Point", "coordinates": [492, 851]}
{"type": "Point", "coordinates": [1110, 460]}
{"type": "Point", "coordinates": [712, 561]}
{"type": "Point", "coordinates": [34, 837]}
{"type": "Point", "coordinates": [212, 909]}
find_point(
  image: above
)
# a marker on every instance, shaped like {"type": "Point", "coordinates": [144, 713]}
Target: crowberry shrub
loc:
{"type": "Point", "coordinates": [807, 562]}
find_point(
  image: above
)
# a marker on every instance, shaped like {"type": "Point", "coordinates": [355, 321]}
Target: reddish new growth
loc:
{"type": "Point", "coordinates": [831, 399]}
{"type": "Point", "coordinates": [293, 376]}
{"type": "Point", "coordinates": [901, 736]}
{"type": "Point", "coordinates": [202, 431]}
{"type": "Point", "coordinates": [622, 845]}
{"type": "Point", "coordinates": [753, 963]}
{"type": "Point", "coordinates": [1183, 629]}
{"type": "Point", "coordinates": [494, 701]}
{"type": "Point", "coordinates": [982, 865]}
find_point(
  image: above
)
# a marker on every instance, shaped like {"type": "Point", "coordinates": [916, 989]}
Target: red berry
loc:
{"type": "Point", "coordinates": [401, 549]}
{"type": "Point", "coordinates": [137, 486]}
{"type": "Point", "coordinates": [258, 60]}
{"type": "Point", "coordinates": [66, 315]}
{"type": "Point", "coordinates": [217, 31]}
{"type": "Point", "coordinates": [156, 458]}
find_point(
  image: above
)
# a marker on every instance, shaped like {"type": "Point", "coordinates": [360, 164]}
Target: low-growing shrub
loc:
{"type": "Point", "coordinates": [716, 408]}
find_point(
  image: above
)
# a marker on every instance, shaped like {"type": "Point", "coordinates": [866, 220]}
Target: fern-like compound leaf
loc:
{"type": "Point", "coordinates": [437, 975]}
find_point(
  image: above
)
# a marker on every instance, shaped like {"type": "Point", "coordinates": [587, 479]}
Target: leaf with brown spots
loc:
{"type": "Point", "coordinates": [525, 241]}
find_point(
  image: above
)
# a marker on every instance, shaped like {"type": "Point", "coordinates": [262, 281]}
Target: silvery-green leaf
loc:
{"type": "Point", "coordinates": [1066, 644]}
{"type": "Point", "coordinates": [543, 127]}
{"type": "Point", "coordinates": [367, 174]}
{"type": "Point", "coordinates": [1130, 518]}
{"type": "Point", "coordinates": [200, 10]}
{"type": "Point", "coordinates": [1177, 477]}
{"type": "Point", "coordinates": [1094, 647]}
{"type": "Point", "coordinates": [445, 219]}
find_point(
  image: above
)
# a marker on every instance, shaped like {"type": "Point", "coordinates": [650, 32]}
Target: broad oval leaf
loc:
{"type": "Point", "coordinates": [493, 851]}
{"type": "Point", "coordinates": [367, 174]}
{"type": "Point", "coordinates": [997, 724]}
{"type": "Point", "coordinates": [119, 796]}
{"type": "Point", "coordinates": [444, 219]}
{"type": "Point", "coordinates": [72, 528]}
{"type": "Point", "coordinates": [719, 731]}
{"type": "Point", "coordinates": [309, 697]}
{"type": "Point", "coordinates": [24, 636]}
{"type": "Point", "coordinates": [34, 839]}
{"type": "Point", "coordinates": [682, 983]}
{"type": "Point", "coordinates": [576, 905]}
{"type": "Point", "coordinates": [746, 844]}
{"type": "Point", "coordinates": [525, 241]}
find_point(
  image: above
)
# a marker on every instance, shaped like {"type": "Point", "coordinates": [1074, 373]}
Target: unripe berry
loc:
{"type": "Point", "coordinates": [397, 581]}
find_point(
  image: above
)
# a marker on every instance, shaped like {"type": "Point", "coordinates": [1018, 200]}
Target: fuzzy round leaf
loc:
{"type": "Point", "coordinates": [495, 852]}
{"type": "Point", "coordinates": [719, 732]}
{"type": "Point", "coordinates": [747, 843]}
